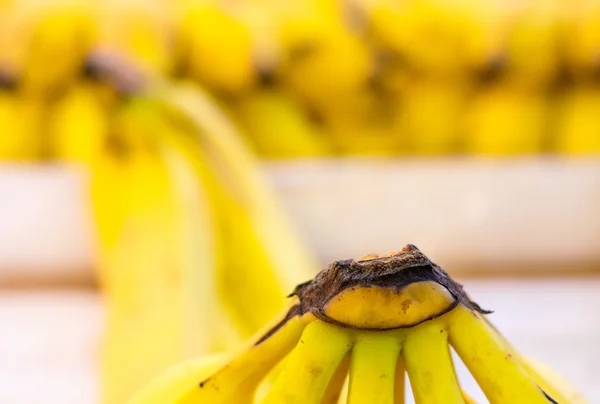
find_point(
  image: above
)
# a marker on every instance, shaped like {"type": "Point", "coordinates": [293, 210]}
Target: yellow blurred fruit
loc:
{"type": "Point", "coordinates": [21, 131]}
{"type": "Point", "coordinates": [279, 127]}
{"type": "Point", "coordinates": [580, 36]}
{"type": "Point", "coordinates": [78, 125]}
{"type": "Point", "coordinates": [437, 37]}
{"type": "Point", "coordinates": [505, 119]}
{"type": "Point", "coordinates": [216, 49]}
{"type": "Point", "coordinates": [532, 44]}
{"type": "Point", "coordinates": [53, 39]}
{"type": "Point", "coordinates": [329, 68]}
{"type": "Point", "coordinates": [429, 115]}
{"type": "Point", "coordinates": [578, 126]}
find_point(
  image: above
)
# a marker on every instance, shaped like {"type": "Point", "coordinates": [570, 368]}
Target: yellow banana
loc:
{"type": "Point", "coordinates": [531, 49]}
{"type": "Point", "coordinates": [577, 129]}
{"type": "Point", "coordinates": [278, 127]}
{"type": "Point", "coordinates": [429, 365]}
{"type": "Point", "coordinates": [506, 119]}
{"type": "Point", "coordinates": [552, 382]}
{"type": "Point", "coordinates": [581, 28]}
{"type": "Point", "coordinates": [9, 53]}
{"type": "Point", "coordinates": [242, 255]}
{"type": "Point", "coordinates": [491, 363]}
{"type": "Point", "coordinates": [239, 379]}
{"type": "Point", "coordinates": [302, 23]}
{"type": "Point", "coordinates": [548, 379]}
{"type": "Point", "coordinates": [215, 48]}
{"type": "Point", "coordinates": [78, 125]}
{"type": "Point", "coordinates": [239, 173]}
{"type": "Point", "coordinates": [373, 368]}
{"type": "Point", "coordinates": [423, 99]}
{"type": "Point", "coordinates": [311, 365]}
{"type": "Point", "coordinates": [21, 123]}
{"type": "Point", "coordinates": [359, 124]}
{"type": "Point", "coordinates": [330, 69]}
{"type": "Point", "coordinates": [167, 387]}
{"type": "Point", "coordinates": [54, 38]}
{"type": "Point", "coordinates": [460, 36]}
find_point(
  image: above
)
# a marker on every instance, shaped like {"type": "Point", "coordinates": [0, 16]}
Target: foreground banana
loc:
{"type": "Point", "coordinates": [168, 386]}
{"type": "Point", "coordinates": [408, 314]}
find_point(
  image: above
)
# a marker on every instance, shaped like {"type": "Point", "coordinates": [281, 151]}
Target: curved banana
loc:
{"type": "Point", "coordinates": [552, 382]}
{"type": "Point", "coordinates": [54, 38]}
{"type": "Point", "coordinates": [78, 125]}
{"type": "Point", "coordinates": [215, 48]}
{"type": "Point", "coordinates": [21, 120]}
{"type": "Point", "coordinates": [237, 381]}
{"type": "Point", "coordinates": [373, 367]}
{"type": "Point", "coordinates": [311, 365]}
{"type": "Point", "coordinates": [506, 119]}
{"type": "Point", "coordinates": [429, 364]}
{"type": "Point", "coordinates": [576, 128]}
{"type": "Point", "coordinates": [238, 173]}
{"type": "Point", "coordinates": [547, 378]}
{"type": "Point", "coordinates": [493, 364]}
{"type": "Point", "coordinates": [278, 127]}
{"type": "Point", "coordinates": [169, 385]}
{"type": "Point", "coordinates": [424, 98]}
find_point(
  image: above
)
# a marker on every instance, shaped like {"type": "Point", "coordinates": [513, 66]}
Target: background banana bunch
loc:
{"type": "Point", "coordinates": [318, 78]}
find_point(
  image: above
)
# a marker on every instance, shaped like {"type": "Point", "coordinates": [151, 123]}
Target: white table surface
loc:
{"type": "Point", "coordinates": [467, 214]}
{"type": "Point", "coordinates": [49, 339]}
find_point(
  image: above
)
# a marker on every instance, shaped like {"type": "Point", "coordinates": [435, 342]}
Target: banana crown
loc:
{"type": "Point", "coordinates": [402, 289]}
{"type": "Point", "coordinates": [350, 335]}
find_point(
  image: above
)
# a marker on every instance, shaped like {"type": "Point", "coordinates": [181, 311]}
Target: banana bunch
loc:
{"type": "Point", "coordinates": [350, 334]}
{"type": "Point", "coordinates": [49, 42]}
{"type": "Point", "coordinates": [318, 78]}
{"type": "Point", "coordinates": [21, 127]}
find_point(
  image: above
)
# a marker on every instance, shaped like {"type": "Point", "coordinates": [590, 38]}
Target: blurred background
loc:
{"type": "Point", "coordinates": [169, 170]}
